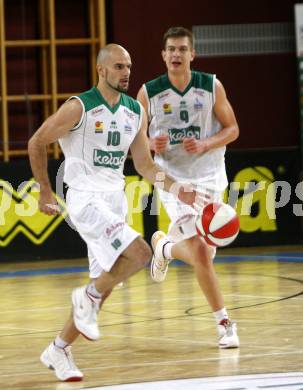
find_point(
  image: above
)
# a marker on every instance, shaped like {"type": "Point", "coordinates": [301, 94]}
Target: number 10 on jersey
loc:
{"type": "Point", "coordinates": [113, 138]}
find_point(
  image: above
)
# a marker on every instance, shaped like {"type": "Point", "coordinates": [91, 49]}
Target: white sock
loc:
{"type": "Point", "coordinates": [220, 315]}
{"type": "Point", "coordinates": [60, 343]}
{"type": "Point", "coordinates": [93, 293]}
{"type": "Point", "coordinates": [167, 250]}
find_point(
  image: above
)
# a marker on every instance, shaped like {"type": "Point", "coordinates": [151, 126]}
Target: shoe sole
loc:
{"type": "Point", "coordinates": [235, 344]}
{"type": "Point", "coordinates": [153, 257]}
{"type": "Point", "coordinates": [151, 272]}
{"type": "Point", "coordinates": [87, 338]}
{"type": "Point", "coordinates": [226, 346]}
{"type": "Point", "coordinates": [44, 360]}
{"type": "Point", "coordinates": [151, 269]}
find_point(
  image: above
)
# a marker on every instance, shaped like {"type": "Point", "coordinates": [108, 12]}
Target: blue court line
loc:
{"type": "Point", "coordinates": [284, 254]}
{"type": "Point", "coordinates": [39, 272]}
{"type": "Point", "coordinates": [294, 258]}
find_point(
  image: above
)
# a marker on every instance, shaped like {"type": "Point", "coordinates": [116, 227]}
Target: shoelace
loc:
{"type": "Point", "coordinates": [226, 322]}
{"type": "Point", "coordinates": [228, 325]}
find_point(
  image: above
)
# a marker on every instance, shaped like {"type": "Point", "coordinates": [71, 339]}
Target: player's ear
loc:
{"type": "Point", "coordinates": [100, 69]}
{"type": "Point", "coordinates": [193, 54]}
{"type": "Point", "coordinates": [163, 54]}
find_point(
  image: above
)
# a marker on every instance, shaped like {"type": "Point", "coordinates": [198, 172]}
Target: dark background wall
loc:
{"type": "Point", "coordinates": [261, 88]}
{"type": "Point", "coordinates": [24, 76]}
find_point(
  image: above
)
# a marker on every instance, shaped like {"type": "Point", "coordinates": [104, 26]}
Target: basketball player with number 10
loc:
{"type": "Point", "coordinates": [190, 123]}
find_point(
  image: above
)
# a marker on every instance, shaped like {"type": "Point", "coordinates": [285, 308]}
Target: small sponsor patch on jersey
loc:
{"type": "Point", "coordinates": [113, 125]}
{"type": "Point", "coordinates": [183, 105]}
{"type": "Point", "coordinates": [99, 127]}
{"type": "Point", "coordinates": [163, 95]}
{"type": "Point", "coordinates": [198, 92]}
{"type": "Point", "coordinates": [167, 108]}
{"type": "Point", "coordinates": [130, 114]}
{"type": "Point", "coordinates": [198, 105]}
{"type": "Point", "coordinates": [97, 111]}
{"type": "Point", "coordinates": [128, 129]}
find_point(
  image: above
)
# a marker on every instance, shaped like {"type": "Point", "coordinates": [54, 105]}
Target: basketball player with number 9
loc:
{"type": "Point", "coordinates": [190, 123]}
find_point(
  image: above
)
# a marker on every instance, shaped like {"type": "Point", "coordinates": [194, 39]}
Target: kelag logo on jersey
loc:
{"type": "Point", "coordinates": [176, 136]}
{"type": "Point", "coordinates": [108, 159]}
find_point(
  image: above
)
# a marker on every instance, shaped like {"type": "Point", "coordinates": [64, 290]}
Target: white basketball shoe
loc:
{"type": "Point", "coordinates": [159, 264]}
{"type": "Point", "coordinates": [61, 361]}
{"type": "Point", "coordinates": [228, 337]}
{"type": "Point", "coordinates": [85, 314]}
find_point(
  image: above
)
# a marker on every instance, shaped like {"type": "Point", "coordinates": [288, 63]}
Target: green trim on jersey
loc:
{"type": "Point", "coordinates": [203, 80]}
{"type": "Point", "coordinates": [90, 99]}
{"type": "Point", "coordinates": [130, 103]}
{"type": "Point", "coordinates": [199, 80]}
{"type": "Point", "coordinates": [158, 85]}
{"type": "Point", "coordinates": [104, 102]}
{"type": "Point", "coordinates": [93, 98]}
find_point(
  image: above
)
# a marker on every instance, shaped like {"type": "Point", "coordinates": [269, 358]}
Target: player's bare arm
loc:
{"type": "Point", "coordinates": [146, 167]}
{"type": "Point", "coordinates": [156, 144]}
{"type": "Point", "coordinates": [56, 126]}
{"type": "Point", "coordinates": [143, 162]}
{"type": "Point", "coordinates": [225, 115]}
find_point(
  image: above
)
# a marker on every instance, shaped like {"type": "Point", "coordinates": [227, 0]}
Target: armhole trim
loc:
{"type": "Point", "coordinates": [214, 89]}
{"type": "Point", "coordinates": [141, 116]}
{"type": "Point", "coordinates": [149, 114]}
{"type": "Point", "coordinates": [83, 112]}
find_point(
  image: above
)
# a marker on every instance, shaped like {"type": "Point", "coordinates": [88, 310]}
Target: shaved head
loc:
{"type": "Point", "coordinates": [113, 67]}
{"type": "Point", "coordinates": [107, 51]}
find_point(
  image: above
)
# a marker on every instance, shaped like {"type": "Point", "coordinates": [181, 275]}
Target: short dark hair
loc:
{"type": "Point", "coordinates": [177, 32]}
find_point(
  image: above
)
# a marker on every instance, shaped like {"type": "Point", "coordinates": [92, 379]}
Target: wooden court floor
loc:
{"type": "Point", "coordinates": [155, 331]}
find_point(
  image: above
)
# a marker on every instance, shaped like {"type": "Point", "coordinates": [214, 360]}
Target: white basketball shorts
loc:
{"type": "Point", "coordinates": [100, 219]}
{"type": "Point", "coordinates": [182, 216]}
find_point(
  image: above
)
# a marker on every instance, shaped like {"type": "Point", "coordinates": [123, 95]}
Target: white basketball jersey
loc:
{"type": "Point", "coordinates": [186, 114]}
{"type": "Point", "coordinates": [96, 149]}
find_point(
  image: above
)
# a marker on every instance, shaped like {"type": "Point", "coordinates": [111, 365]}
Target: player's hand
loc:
{"type": "Point", "coordinates": [158, 144]}
{"type": "Point", "coordinates": [196, 199]}
{"type": "Point", "coordinates": [187, 194]}
{"type": "Point", "coordinates": [47, 203]}
{"type": "Point", "coordinates": [194, 146]}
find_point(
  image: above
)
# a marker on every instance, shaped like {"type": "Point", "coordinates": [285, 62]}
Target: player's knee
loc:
{"type": "Point", "coordinates": [144, 254]}
{"type": "Point", "coordinates": [202, 253]}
